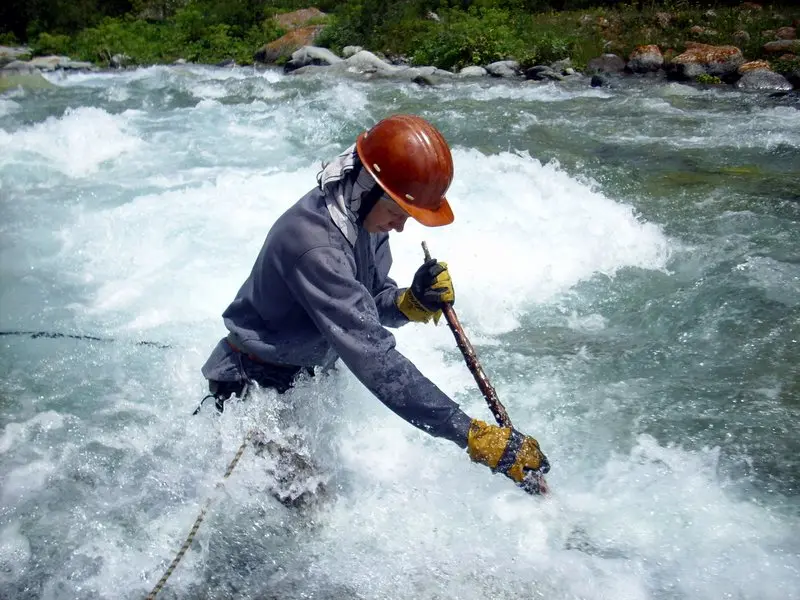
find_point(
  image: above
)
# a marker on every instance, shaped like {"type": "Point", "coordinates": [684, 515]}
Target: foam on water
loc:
{"type": "Point", "coordinates": [7, 107]}
{"type": "Point", "coordinates": [78, 143]}
{"type": "Point", "coordinates": [103, 470]}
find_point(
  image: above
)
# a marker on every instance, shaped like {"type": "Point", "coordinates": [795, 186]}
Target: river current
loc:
{"type": "Point", "coordinates": [626, 263]}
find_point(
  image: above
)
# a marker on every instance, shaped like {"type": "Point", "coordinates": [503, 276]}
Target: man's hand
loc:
{"type": "Point", "coordinates": [507, 451]}
{"type": "Point", "coordinates": [431, 289]}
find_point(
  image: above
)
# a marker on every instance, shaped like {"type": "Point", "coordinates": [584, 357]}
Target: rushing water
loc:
{"type": "Point", "coordinates": [627, 265]}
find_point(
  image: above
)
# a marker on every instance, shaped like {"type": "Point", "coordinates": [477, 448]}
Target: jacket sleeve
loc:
{"type": "Point", "coordinates": [386, 289]}
{"type": "Point", "coordinates": [324, 283]}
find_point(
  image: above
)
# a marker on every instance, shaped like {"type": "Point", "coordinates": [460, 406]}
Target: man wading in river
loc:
{"type": "Point", "coordinates": [320, 289]}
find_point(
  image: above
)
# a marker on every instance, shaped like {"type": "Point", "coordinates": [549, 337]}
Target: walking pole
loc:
{"type": "Point", "coordinates": [534, 482]}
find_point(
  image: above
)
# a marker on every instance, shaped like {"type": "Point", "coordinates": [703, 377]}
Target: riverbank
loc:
{"type": "Point", "coordinates": [749, 46]}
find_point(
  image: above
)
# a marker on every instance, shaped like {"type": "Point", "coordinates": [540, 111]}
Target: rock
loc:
{"type": "Point", "coordinates": [754, 65]}
{"type": "Point", "coordinates": [398, 60]}
{"type": "Point", "coordinates": [781, 46]}
{"type": "Point", "coordinates": [645, 59]}
{"type": "Point", "coordinates": [9, 54]}
{"type": "Point", "coordinates": [19, 67]}
{"type": "Point", "coordinates": [431, 72]}
{"type": "Point", "coordinates": [298, 18]}
{"type": "Point", "coordinates": [349, 51]}
{"type": "Point", "coordinates": [48, 63]}
{"type": "Point", "coordinates": [27, 80]}
{"type": "Point", "coordinates": [740, 38]}
{"type": "Point", "coordinates": [432, 16]}
{"type": "Point", "coordinates": [794, 78]}
{"type": "Point", "coordinates": [699, 59]}
{"type": "Point", "coordinates": [762, 79]}
{"type": "Point", "coordinates": [287, 44]}
{"type": "Point", "coordinates": [503, 68]}
{"type": "Point", "coordinates": [118, 61]}
{"type": "Point", "coordinates": [365, 61]}
{"type": "Point", "coordinates": [473, 71]}
{"type": "Point", "coordinates": [423, 80]}
{"type": "Point", "coordinates": [599, 81]}
{"type": "Point", "coordinates": [561, 66]}
{"type": "Point", "coordinates": [543, 73]}
{"type": "Point", "coordinates": [607, 63]}
{"type": "Point", "coordinates": [787, 33]}
{"type": "Point", "coordinates": [750, 6]}
{"type": "Point", "coordinates": [311, 55]}
{"type": "Point", "coordinates": [228, 62]}
{"type": "Point", "coordinates": [78, 65]}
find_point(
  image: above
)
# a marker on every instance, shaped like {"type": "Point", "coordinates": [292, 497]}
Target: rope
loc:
{"type": "Point", "coordinates": [72, 336]}
{"type": "Point", "coordinates": [199, 520]}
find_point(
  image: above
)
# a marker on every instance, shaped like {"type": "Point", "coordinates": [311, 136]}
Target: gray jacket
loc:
{"type": "Point", "coordinates": [312, 296]}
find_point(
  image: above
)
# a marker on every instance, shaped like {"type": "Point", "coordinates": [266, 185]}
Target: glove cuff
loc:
{"type": "Point", "coordinates": [412, 308]}
{"type": "Point", "coordinates": [505, 450]}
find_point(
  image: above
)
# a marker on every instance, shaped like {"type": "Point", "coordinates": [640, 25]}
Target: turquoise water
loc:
{"type": "Point", "coordinates": [626, 264]}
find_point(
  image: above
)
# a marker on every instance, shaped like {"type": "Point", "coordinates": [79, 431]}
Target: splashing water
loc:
{"type": "Point", "coordinates": [626, 266]}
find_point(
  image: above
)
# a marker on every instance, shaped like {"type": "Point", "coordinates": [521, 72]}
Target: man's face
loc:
{"type": "Point", "coordinates": [385, 216]}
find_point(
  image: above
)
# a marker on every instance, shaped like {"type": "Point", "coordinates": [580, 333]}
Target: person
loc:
{"type": "Point", "coordinates": [320, 290]}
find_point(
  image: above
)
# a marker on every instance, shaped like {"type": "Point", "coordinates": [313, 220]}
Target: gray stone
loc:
{"type": "Point", "coordinates": [607, 63]}
{"type": "Point", "coordinates": [365, 61]}
{"type": "Point", "coordinates": [763, 80]}
{"type": "Point", "coordinates": [18, 67]}
{"type": "Point", "coordinates": [11, 79]}
{"type": "Point", "coordinates": [503, 68]}
{"type": "Point", "coordinates": [9, 54]}
{"type": "Point", "coordinates": [311, 55]}
{"type": "Point", "coordinates": [118, 61]}
{"type": "Point", "coordinates": [645, 62]}
{"type": "Point", "coordinates": [349, 51]}
{"type": "Point", "coordinates": [561, 66]}
{"type": "Point", "coordinates": [473, 71]}
{"type": "Point", "coordinates": [48, 63]}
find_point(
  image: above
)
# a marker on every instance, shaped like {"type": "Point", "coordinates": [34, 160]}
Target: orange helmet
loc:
{"type": "Point", "coordinates": [411, 161]}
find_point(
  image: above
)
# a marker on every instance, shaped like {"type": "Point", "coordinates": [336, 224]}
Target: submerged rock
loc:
{"type": "Point", "coordinates": [27, 81]}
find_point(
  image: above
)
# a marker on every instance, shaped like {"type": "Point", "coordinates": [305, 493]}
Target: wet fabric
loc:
{"type": "Point", "coordinates": [313, 296]}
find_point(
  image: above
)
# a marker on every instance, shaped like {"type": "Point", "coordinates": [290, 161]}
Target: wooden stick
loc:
{"type": "Point", "coordinates": [534, 483]}
{"type": "Point", "coordinates": [497, 408]}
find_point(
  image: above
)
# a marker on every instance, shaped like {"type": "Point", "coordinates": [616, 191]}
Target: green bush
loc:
{"type": "Point", "coordinates": [52, 44]}
{"type": "Point", "coordinates": [707, 79]}
{"type": "Point", "coordinates": [474, 38]}
{"type": "Point", "coordinates": [786, 66]}
{"type": "Point", "coordinates": [8, 39]}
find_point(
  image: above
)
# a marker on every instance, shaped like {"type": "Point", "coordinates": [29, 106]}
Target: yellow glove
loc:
{"type": "Point", "coordinates": [505, 450]}
{"type": "Point", "coordinates": [431, 289]}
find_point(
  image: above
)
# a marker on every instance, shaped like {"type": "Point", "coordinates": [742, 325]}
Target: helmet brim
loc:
{"type": "Point", "coordinates": [430, 218]}
{"type": "Point", "coordinates": [443, 215]}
